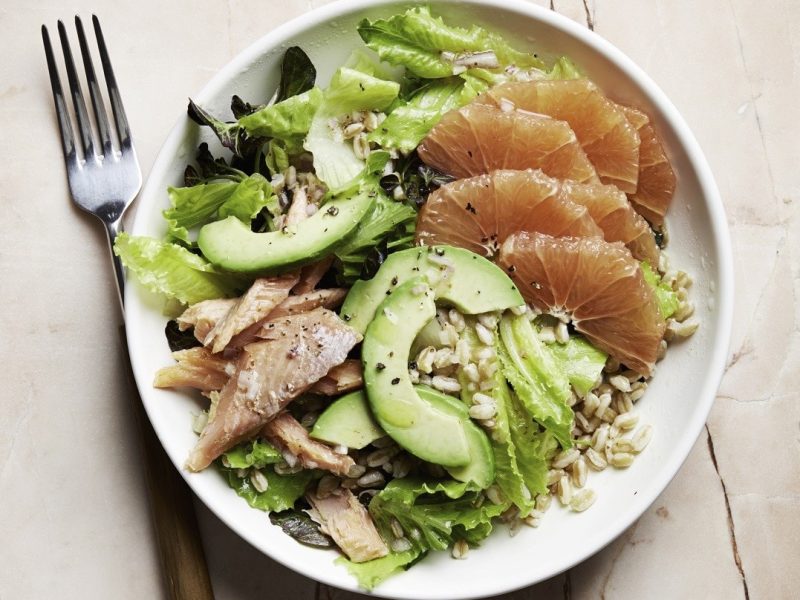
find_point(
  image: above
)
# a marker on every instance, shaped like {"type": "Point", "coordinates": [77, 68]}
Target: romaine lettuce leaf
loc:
{"type": "Point", "coordinates": [416, 40]}
{"type": "Point", "coordinates": [387, 222]}
{"type": "Point", "coordinates": [281, 493]}
{"type": "Point", "coordinates": [195, 205]}
{"type": "Point", "coordinates": [350, 90]}
{"type": "Point", "coordinates": [434, 514]}
{"type": "Point", "coordinates": [256, 453]}
{"type": "Point", "coordinates": [199, 204]}
{"type": "Point", "coordinates": [509, 475]}
{"type": "Point", "coordinates": [335, 163]}
{"type": "Point", "coordinates": [411, 121]}
{"type": "Point", "coordinates": [534, 446]}
{"type": "Point", "coordinates": [582, 362]}
{"type": "Point", "coordinates": [667, 299]}
{"type": "Point", "coordinates": [564, 68]}
{"type": "Point", "coordinates": [536, 377]}
{"type": "Point", "coordinates": [288, 119]}
{"type": "Point", "coordinates": [247, 200]}
{"type": "Point", "coordinates": [371, 573]}
{"type": "Point", "coordinates": [172, 270]}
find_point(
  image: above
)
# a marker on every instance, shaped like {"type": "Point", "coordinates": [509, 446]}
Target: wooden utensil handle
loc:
{"type": "Point", "coordinates": [180, 548]}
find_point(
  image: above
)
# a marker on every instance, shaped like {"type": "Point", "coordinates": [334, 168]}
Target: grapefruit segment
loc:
{"type": "Point", "coordinates": [656, 178]}
{"type": "Point", "coordinates": [599, 284]}
{"type": "Point", "coordinates": [478, 138]}
{"type": "Point", "coordinates": [613, 213]}
{"type": "Point", "coordinates": [610, 141]}
{"type": "Point", "coordinates": [479, 213]}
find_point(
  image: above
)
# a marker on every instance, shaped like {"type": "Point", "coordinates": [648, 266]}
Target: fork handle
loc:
{"type": "Point", "coordinates": [112, 231]}
{"type": "Point", "coordinates": [180, 548]}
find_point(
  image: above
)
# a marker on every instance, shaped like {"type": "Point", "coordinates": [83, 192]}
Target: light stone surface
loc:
{"type": "Point", "coordinates": [73, 511]}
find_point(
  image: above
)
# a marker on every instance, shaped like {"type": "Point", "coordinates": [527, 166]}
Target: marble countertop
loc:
{"type": "Point", "coordinates": [73, 510]}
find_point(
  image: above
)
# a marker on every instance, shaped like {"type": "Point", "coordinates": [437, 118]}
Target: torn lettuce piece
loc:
{"type": "Point", "coordinates": [411, 121]}
{"type": "Point", "coordinates": [282, 490]}
{"type": "Point", "coordinates": [582, 362]}
{"type": "Point", "coordinates": [335, 161]}
{"type": "Point", "coordinates": [536, 377]}
{"type": "Point", "coordinates": [173, 271]}
{"type": "Point", "coordinates": [366, 61]}
{"type": "Point", "coordinates": [564, 68]}
{"type": "Point", "coordinates": [247, 200]}
{"type": "Point", "coordinates": [434, 514]}
{"type": "Point", "coordinates": [416, 40]}
{"type": "Point", "coordinates": [534, 446]}
{"type": "Point", "coordinates": [508, 476]}
{"type": "Point", "coordinates": [256, 453]}
{"type": "Point", "coordinates": [667, 299]}
{"type": "Point", "coordinates": [371, 573]}
{"type": "Point", "coordinates": [200, 204]}
{"type": "Point", "coordinates": [388, 224]}
{"type": "Point", "coordinates": [194, 206]}
{"type": "Point", "coordinates": [289, 119]}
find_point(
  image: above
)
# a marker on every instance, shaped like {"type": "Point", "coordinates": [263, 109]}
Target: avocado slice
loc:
{"type": "Point", "coordinates": [458, 277]}
{"type": "Point", "coordinates": [348, 421]}
{"type": "Point", "coordinates": [415, 424]}
{"type": "Point", "coordinates": [480, 469]}
{"type": "Point", "coordinates": [231, 244]}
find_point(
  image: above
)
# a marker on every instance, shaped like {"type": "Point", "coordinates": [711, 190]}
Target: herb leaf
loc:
{"type": "Point", "coordinates": [297, 74]}
{"type": "Point", "coordinates": [300, 526]}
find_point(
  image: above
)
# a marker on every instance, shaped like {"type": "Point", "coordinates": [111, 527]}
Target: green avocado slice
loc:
{"type": "Point", "coordinates": [417, 425]}
{"type": "Point", "coordinates": [458, 277]}
{"type": "Point", "coordinates": [231, 244]}
{"type": "Point", "coordinates": [349, 422]}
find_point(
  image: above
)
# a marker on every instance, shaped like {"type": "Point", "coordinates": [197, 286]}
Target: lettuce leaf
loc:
{"type": "Point", "coordinates": [534, 446]}
{"type": "Point", "coordinates": [416, 40]}
{"type": "Point", "coordinates": [350, 90]}
{"type": "Point", "coordinates": [434, 514]}
{"type": "Point", "coordinates": [509, 473]}
{"type": "Point", "coordinates": [388, 223]}
{"type": "Point", "coordinates": [247, 200]}
{"type": "Point", "coordinates": [564, 68]}
{"type": "Point", "coordinates": [371, 573]}
{"type": "Point", "coordinates": [582, 362]}
{"type": "Point", "coordinates": [411, 121]}
{"type": "Point", "coordinates": [288, 119]}
{"type": "Point", "coordinates": [200, 204]}
{"type": "Point", "coordinates": [508, 476]}
{"type": "Point", "coordinates": [194, 206]}
{"type": "Point", "coordinates": [281, 493]}
{"type": "Point", "coordinates": [667, 299]}
{"type": "Point", "coordinates": [174, 271]}
{"type": "Point", "coordinates": [256, 453]}
{"type": "Point", "coordinates": [540, 384]}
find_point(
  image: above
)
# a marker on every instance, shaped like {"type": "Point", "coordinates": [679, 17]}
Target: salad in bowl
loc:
{"type": "Point", "coordinates": [421, 302]}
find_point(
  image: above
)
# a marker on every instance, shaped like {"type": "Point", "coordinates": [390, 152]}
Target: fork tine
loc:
{"type": "Point", "coordinates": [94, 91]}
{"type": "Point", "coordinates": [67, 139]}
{"type": "Point", "coordinates": [121, 120]}
{"type": "Point", "coordinates": [84, 127]}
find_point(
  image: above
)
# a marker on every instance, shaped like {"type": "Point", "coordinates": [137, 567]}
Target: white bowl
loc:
{"type": "Point", "coordinates": [676, 404]}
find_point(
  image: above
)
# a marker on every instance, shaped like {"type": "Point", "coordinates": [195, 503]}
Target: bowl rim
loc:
{"type": "Point", "coordinates": [720, 240]}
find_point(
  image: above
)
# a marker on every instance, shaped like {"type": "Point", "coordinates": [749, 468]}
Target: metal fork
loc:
{"type": "Point", "coordinates": [103, 181]}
